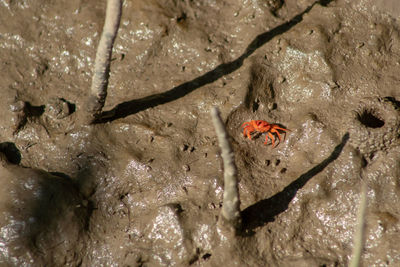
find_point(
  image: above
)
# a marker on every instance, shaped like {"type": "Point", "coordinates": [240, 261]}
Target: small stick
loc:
{"type": "Point", "coordinates": [98, 90]}
{"type": "Point", "coordinates": [230, 213]}
{"type": "Point", "coordinates": [360, 230]}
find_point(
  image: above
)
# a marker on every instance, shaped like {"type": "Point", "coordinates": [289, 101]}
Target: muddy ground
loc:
{"type": "Point", "coordinates": [143, 187]}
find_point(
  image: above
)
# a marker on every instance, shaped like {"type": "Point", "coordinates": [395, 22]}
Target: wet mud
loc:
{"type": "Point", "coordinates": [143, 186]}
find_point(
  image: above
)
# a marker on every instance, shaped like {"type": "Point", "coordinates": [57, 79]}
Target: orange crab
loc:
{"type": "Point", "coordinates": [262, 127]}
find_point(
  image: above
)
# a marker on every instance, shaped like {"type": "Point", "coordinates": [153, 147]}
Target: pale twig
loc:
{"type": "Point", "coordinates": [230, 213]}
{"type": "Point", "coordinates": [98, 90]}
{"type": "Point", "coordinates": [360, 230]}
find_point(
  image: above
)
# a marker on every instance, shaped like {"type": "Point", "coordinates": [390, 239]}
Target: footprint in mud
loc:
{"type": "Point", "coordinates": [273, 164]}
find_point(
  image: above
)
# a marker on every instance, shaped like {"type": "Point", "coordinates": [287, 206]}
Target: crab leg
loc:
{"type": "Point", "coordinates": [247, 132]}
{"type": "Point", "coordinates": [245, 124]}
{"type": "Point", "coordinates": [279, 128]}
{"type": "Point", "coordinates": [266, 140]}
{"type": "Point", "coordinates": [277, 133]}
{"type": "Point", "coordinates": [272, 139]}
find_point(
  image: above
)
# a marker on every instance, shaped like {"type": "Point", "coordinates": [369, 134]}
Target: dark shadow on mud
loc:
{"type": "Point", "coordinates": [51, 206]}
{"type": "Point", "coordinates": [58, 196]}
{"type": "Point", "coordinates": [61, 217]}
{"type": "Point", "coordinates": [265, 210]}
{"type": "Point", "coordinates": [133, 106]}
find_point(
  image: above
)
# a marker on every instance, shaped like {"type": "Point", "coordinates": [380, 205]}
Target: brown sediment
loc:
{"type": "Point", "coordinates": [143, 186]}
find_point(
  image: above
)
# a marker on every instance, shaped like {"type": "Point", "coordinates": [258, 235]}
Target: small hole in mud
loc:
{"type": "Point", "coordinates": [274, 106]}
{"type": "Point", "coordinates": [277, 162]}
{"type": "Point", "coordinates": [178, 208]}
{"type": "Point", "coordinates": [60, 174]}
{"type": "Point", "coordinates": [283, 170]}
{"type": "Point", "coordinates": [368, 119]}
{"type": "Point", "coordinates": [364, 162]}
{"type": "Point", "coordinates": [71, 106]}
{"type": "Point", "coordinates": [181, 18]}
{"type": "Point", "coordinates": [371, 156]}
{"type": "Point", "coordinates": [267, 162]}
{"type": "Point", "coordinates": [11, 152]}
{"type": "Point", "coordinates": [256, 105]}
{"type": "Point", "coordinates": [206, 256]}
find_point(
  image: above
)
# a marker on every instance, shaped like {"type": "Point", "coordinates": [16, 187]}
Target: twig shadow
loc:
{"type": "Point", "coordinates": [136, 105]}
{"type": "Point", "coordinates": [265, 210]}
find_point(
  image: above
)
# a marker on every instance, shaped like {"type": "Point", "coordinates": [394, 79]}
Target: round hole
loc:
{"type": "Point", "coordinates": [368, 119]}
{"type": "Point", "coordinates": [364, 162]}
{"type": "Point", "coordinates": [206, 256]}
{"type": "Point", "coordinates": [11, 152]}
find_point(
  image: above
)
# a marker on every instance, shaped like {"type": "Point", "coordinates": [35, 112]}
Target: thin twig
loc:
{"type": "Point", "coordinates": [360, 230]}
{"type": "Point", "coordinates": [98, 90]}
{"type": "Point", "coordinates": [230, 213]}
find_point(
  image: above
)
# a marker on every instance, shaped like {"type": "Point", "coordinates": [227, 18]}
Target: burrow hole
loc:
{"type": "Point", "coordinates": [368, 119]}
{"type": "Point", "coordinates": [206, 256]}
{"type": "Point", "coordinates": [11, 152]}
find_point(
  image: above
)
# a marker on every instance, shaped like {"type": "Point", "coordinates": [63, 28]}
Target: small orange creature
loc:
{"type": "Point", "coordinates": [262, 127]}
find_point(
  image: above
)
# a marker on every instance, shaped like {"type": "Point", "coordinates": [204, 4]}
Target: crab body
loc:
{"type": "Point", "coordinates": [263, 127]}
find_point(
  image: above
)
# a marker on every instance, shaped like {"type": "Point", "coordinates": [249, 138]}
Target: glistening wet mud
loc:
{"type": "Point", "coordinates": [143, 186]}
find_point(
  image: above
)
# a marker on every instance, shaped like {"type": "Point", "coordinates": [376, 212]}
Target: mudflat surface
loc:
{"type": "Point", "coordinates": [144, 186]}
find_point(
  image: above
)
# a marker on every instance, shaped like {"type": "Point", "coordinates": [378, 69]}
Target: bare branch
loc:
{"type": "Point", "coordinates": [98, 90]}
{"type": "Point", "coordinates": [360, 230]}
{"type": "Point", "coordinates": [230, 213]}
